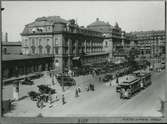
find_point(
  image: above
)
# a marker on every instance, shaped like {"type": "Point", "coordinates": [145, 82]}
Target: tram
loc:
{"type": "Point", "coordinates": [145, 78]}
{"type": "Point", "coordinates": [128, 89]}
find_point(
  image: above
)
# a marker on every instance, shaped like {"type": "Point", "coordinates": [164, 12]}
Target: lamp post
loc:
{"type": "Point", "coordinates": [62, 82]}
{"type": "Point", "coordinates": [2, 9]}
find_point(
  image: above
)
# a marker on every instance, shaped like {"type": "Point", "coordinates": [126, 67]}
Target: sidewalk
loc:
{"type": "Point", "coordinates": [27, 107]}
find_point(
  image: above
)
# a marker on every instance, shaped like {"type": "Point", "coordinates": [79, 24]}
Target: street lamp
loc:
{"type": "Point", "coordinates": [2, 9]}
{"type": "Point", "coordinates": [62, 81]}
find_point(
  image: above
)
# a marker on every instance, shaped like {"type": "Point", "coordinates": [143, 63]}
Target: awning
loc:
{"type": "Point", "coordinates": [76, 58]}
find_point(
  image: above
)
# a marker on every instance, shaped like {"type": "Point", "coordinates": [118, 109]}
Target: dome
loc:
{"type": "Point", "coordinates": [99, 23]}
{"type": "Point", "coordinates": [50, 20]}
{"type": "Point", "coordinates": [100, 26]}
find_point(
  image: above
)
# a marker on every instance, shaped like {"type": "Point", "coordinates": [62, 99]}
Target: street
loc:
{"type": "Point", "coordinates": [104, 101]}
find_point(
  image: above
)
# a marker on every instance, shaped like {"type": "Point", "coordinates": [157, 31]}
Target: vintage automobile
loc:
{"type": "Point", "coordinates": [27, 81]}
{"type": "Point", "coordinates": [34, 95]}
{"type": "Point", "coordinates": [107, 78]}
{"type": "Point", "coordinates": [128, 89]}
{"type": "Point", "coordinates": [66, 81]}
{"type": "Point", "coordinates": [44, 89]}
{"type": "Point", "coordinates": [118, 87]}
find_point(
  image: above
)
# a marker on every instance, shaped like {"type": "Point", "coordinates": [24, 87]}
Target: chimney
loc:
{"type": "Point", "coordinates": [6, 37]}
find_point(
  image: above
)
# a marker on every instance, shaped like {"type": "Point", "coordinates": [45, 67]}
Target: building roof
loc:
{"type": "Point", "coordinates": [11, 57]}
{"type": "Point", "coordinates": [148, 33]}
{"type": "Point", "coordinates": [50, 20]}
{"type": "Point", "coordinates": [99, 23]}
{"type": "Point", "coordinates": [127, 78]}
{"type": "Point", "coordinates": [11, 43]}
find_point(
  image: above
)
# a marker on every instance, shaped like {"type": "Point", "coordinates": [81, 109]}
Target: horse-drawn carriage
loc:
{"type": "Point", "coordinates": [41, 96]}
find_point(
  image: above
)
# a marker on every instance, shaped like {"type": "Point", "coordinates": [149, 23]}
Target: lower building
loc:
{"type": "Point", "coordinates": [16, 66]}
{"type": "Point", "coordinates": [11, 48]}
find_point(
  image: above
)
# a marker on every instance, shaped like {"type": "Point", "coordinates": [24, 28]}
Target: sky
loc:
{"type": "Point", "coordinates": [130, 15]}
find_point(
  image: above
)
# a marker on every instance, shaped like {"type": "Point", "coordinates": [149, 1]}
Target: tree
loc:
{"type": "Point", "coordinates": [132, 54]}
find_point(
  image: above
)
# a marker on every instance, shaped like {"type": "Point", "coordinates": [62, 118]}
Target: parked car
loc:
{"type": "Point", "coordinates": [107, 78]}
{"type": "Point", "coordinates": [44, 89]}
{"type": "Point", "coordinates": [66, 80]}
{"type": "Point", "coordinates": [34, 95]}
{"type": "Point", "coordinates": [118, 88]}
{"type": "Point", "coordinates": [27, 81]}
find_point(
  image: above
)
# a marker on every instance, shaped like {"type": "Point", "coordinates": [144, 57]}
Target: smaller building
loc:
{"type": "Point", "coordinates": [11, 48]}
{"type": "Point", "coordinates": [16, 66]}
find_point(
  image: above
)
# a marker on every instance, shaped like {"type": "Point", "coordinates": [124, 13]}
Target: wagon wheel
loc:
{"type": "Point", "coordinates": [38, 103]}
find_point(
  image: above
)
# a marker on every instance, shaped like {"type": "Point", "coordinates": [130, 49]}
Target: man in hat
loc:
{"type": "Point", "coordinates": [16, 90]}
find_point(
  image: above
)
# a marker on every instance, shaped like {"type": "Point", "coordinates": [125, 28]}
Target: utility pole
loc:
{"type": "Point", "coordinates": [2, 9]}
{"type": "Point", "coordinates": [63, 81]}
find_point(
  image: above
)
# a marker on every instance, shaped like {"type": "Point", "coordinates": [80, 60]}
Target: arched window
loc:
{"type": "Point", "coordinates": [39, 41]}
{"type": "Point", "coordinates": [106, 43]}
{"type": "Point", "coordinates": [56, 50]}
{"type": "Point", "coordinates": [5, 50]}
{"type": "Point", "coordinates": [40, 49]}
{"type": "Point", "coordinates": [33, 49]}
{"type": "Point", "coordinates": [48, 49]}
{"type": "Point", "coordinates": [33, 42]}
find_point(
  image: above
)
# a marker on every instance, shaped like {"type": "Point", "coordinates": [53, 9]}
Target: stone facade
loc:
{"type": "Point", "coordinates": [115, 42]}
{"type": "Point", "coordinates": [151, 45]}
{"type": "Point", "coordinates": [70, 44]}
{"type": "Point", "coordinates": [11, 48]}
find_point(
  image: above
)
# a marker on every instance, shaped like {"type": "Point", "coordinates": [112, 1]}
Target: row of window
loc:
{"type": "Point", "coordinates": [79, 30]}
{"type": "Point", "coordinates": [88, 50]}
{"type": "Point", "coordinates": [35, 41]}
{"type": "Point", "coordinates": [40, 29]}
{"type": "Point", "coordinates": [40, 49]}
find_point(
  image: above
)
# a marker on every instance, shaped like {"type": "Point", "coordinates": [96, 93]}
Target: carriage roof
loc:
{"type": "Point", "coordinates": [126, 83]}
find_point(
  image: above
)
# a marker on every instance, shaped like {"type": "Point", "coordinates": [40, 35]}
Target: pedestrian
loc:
{"type": "Point", "coordinates": [141, 85]}
{"type": "Point", "coordinates": [40, 102]}
{"type": "Point", "coordinates": [93, 88]}
{"type": "Point", "coordinates": [110, 82]}
{"type": "Point", "coordinates": [87, 88]}
{"type": "Point", "coordinates": [79, 89]}
{"type": "Point", "coordinates": [50, 99]}
{"type": "Point", "coordinates": [76, 93]}
{"type": "Point", "coordinates": [53, 83]}
{"type": "Point", "coordinates": [16, 90]}
{"type": "Point", "coordinates": [50, 74]}
{"type": "Point", "coordinates": [100, 79]}
{"type": "Point", "coordinates": [63, 99]}
{"type": "Point", "coordinates": [117, 82]}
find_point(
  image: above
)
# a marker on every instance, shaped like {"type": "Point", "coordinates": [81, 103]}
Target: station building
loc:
{"type": "Point", "coordinates": [70, 44]}
{"type": "Point", "coordinates": [10, 47]}
{"type": "Point", "coordinates": [17, 67]}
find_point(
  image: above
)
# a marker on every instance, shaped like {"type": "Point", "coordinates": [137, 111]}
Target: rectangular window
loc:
{"type": "Point", "coordinates": [56, 50]}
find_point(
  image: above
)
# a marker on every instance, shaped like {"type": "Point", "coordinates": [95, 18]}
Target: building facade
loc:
{"type": "Point", "coordinates": [151, 45]}
{"type": "Point", "coordinates": [115, 42]}
{"type": "Point", "coordinates": [70, 44]}
{"type": "Point", "coordinates": [19, 66]}
{"type": "Point", "coordinates": [11, 48]}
